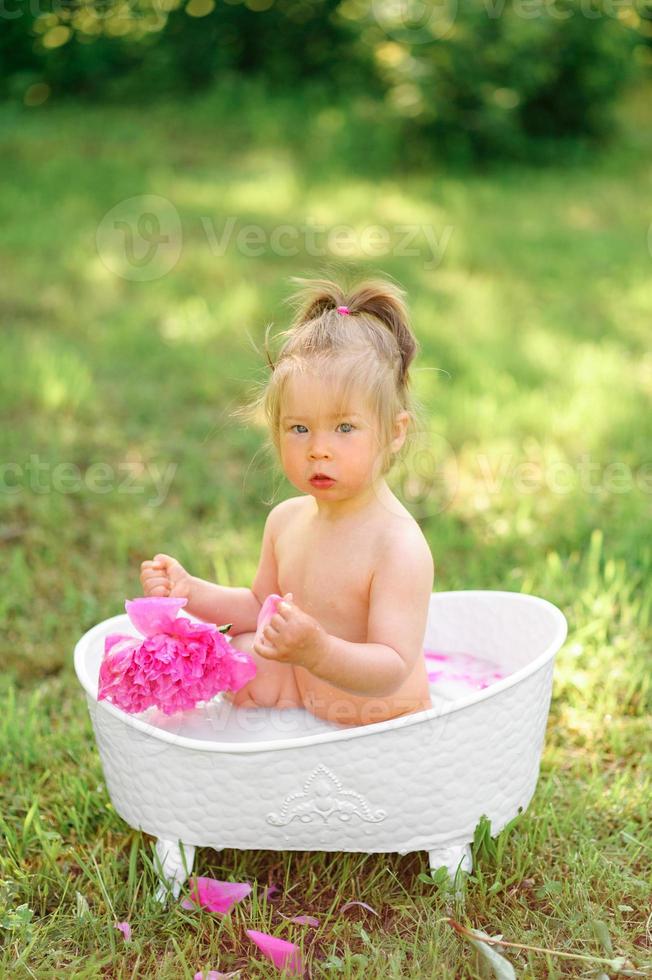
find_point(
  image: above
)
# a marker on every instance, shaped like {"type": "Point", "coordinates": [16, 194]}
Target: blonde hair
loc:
{"type": "Point", "coordinates": [370, 349]}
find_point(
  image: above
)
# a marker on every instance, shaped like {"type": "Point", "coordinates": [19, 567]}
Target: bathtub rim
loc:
{"type": "Point", "coordinates": [353, 731]}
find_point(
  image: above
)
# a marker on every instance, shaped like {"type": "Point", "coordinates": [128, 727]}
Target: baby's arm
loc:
{"type": "Point", "coordinates": [216, 603]}
{"type": "Point", "coordinates": [223, 604]}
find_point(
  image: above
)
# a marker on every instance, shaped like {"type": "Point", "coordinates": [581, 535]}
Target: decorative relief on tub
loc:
{"type": "Point", "coordinates": [323, 796]}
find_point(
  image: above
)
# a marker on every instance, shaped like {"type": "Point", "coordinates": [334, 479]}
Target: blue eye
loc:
{"type": "Point", "coordinates": [298, 425]}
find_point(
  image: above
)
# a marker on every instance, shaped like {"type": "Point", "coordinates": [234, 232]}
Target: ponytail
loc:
{"type": "Point", "coordinates": [376, 298]}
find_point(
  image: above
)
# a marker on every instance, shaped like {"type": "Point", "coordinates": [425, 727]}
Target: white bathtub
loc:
{"type": "Point", "coordinates": [220, 776]}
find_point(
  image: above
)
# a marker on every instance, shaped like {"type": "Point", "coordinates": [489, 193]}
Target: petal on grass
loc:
{"type": "Point", "coordinates": [363, 904]}
{"type": "Point", "coordinates": [302, 920]}
{"type": "Point", "coordinates": [283, 954]}
{"type": "Point", "coordinates": [215, 975]}
{"type": "Point", "coordinates": [217, 896]}
{"type": "Point", "coordinates": [269, 890]}
{"type": "Point", "coordinates": [502, 968]}
{"type": "Point", "coordinates": [125, 929]}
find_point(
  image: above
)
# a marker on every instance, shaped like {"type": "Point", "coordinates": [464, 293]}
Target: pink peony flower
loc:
{"type": "Point", "coordinates": [176, 665]}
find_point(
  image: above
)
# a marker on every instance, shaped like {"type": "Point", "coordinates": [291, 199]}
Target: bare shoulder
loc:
{"type": "Point", "coordinates": [402, 542]}
{"type": "Point", "coordinates": [286, 511]}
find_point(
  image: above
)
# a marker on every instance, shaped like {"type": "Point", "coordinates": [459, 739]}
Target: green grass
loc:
{"type": "Point", "coordinates": [535, 335]}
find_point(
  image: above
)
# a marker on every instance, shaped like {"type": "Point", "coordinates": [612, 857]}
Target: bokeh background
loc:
{"type": "Point", "coordinates": [166, 166]}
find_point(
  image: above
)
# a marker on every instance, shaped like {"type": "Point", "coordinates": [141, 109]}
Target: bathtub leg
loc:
{"type": "Point", "coordinates": [176, 860]}
{"type": "Point", "coordinates": [450, 857]}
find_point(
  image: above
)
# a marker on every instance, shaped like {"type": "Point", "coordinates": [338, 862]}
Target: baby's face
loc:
{"type": "Point", "coordinates": [315, 437]}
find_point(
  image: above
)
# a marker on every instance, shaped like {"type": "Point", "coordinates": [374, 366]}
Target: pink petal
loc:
{"type": "Point", "coordinates": [242, 669]}
{"type": "Point", "coordinates": [124, 928]}
{"type": "Point", "coordinates": [269, 890]}
{"type": "Point", "coordinates": [118, 657]}
{"type": "Point", "coordinates": [215, 975]}
{"type": "Point", "coordinates": [434, 655]}
{"type": "Point", "coordinates": [463, 669]}
{"type": "Point", "coordinates": [217, 896]}
{"type": "Point", "coordinates": [283, 954]}
{"type": "Point", "coordinates": [363, 904]}
{"type": "Point", "coordinates": [302, 920]}
{"type": "Point", "coordinates": [153, 614]}
{"type": "Point", "coordinates": [267, 610]}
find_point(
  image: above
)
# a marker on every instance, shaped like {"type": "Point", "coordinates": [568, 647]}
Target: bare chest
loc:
{"type": "Point", "coordinates": [329, 575]}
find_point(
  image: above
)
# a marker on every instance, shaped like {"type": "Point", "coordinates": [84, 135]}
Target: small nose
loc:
{"type": "Point", "coordinates": [319, 448]}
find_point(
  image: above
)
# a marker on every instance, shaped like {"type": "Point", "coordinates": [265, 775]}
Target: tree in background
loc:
{"type": "Point", "coordinates": [457, 79]}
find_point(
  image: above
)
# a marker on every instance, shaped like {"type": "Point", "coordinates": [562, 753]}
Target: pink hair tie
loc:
{"type": "Point", "coordinates": [343, 310]}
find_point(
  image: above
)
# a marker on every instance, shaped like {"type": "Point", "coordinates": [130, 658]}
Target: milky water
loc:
{"type": "Point", "coordinates": [453, 673]}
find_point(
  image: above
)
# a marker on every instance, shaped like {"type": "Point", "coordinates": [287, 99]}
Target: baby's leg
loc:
{"type": "Point", "coordinates": [274, 685]}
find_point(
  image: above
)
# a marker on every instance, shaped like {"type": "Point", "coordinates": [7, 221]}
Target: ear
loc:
{"type": "Point", "coordinates": [400, 431]}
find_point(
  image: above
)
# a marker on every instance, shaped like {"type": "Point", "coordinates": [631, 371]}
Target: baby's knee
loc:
{"type": "Point", "coordinates": [243, 642]}
{"type": "Point", "coordinates": [274, 682]}
{"type": "Point", "coordinates": [266, 696]}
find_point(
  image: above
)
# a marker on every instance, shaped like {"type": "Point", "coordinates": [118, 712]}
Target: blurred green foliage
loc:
{"type": "Point", "coordinates": [460, 80]}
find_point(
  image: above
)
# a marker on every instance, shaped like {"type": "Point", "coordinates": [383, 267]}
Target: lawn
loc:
{"type": "Point", "coordinates": [531, 298]}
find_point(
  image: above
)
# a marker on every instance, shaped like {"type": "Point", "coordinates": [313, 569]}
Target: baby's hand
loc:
{"type": "Point", "coordinates": [165, 576]}
{"type": "Point", "coordinates": [292, 636]}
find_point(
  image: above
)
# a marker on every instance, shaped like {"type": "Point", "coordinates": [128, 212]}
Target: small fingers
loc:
{"type": "Point", "coordinates": [159, 590]}
{"type": "Point", "coordinates": [154, 577]}
{"type": "Point", "coordinates": [164, 560]}
{"type": "Point", "coordinates": [263, 650]}
{"type": "Point", "coordinates": [156, 586]}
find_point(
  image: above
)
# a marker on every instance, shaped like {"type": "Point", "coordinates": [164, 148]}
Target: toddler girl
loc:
{"type": "Point", "coordinates": [355, 571]}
